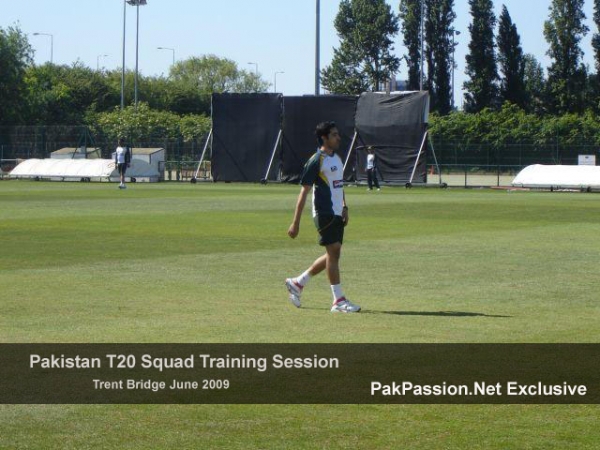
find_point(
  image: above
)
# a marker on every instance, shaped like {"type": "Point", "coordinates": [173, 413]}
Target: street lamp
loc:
{"type": "Point", "coordinates": [51, 44]}
{"type": "Point", "coordinates": [454, 33]}
{"type": "Point", "coordinates": [167, 48]}
{"type": "Point", "coordinates": [255, 68]}
{"type": "Point", "coordinates": [136, 3]}
{"type": "Point", "coordinates": [98, 61]}
{"type": "Point", "coordinates": [275, 81]}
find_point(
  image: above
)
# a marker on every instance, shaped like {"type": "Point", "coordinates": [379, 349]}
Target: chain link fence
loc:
{"type": "Point", "coordinates": [461, 160]}
{"type": "Point", "coordinates": [469, 163]}
{"type": "Point", "coordinates": [24, 142]}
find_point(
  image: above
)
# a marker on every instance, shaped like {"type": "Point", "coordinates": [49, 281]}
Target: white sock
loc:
{"type": "Point", "coordinates": [336, 290]}
{"type": "Point", "coordinates": [303, 279]}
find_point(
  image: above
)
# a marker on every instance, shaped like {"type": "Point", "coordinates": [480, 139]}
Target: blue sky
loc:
{"type": "Point", "coordinates": [278, 35]}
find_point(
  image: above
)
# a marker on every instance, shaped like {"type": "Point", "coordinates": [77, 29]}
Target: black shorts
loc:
{"type": "Point", "coordinates": [122, 168]}
{"type": "Point", "coordinates": [330, 228]}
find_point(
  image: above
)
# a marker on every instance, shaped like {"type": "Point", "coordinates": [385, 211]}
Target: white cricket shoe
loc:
{"type": "Point", "coordinates": [295, 291]}
{"type": "Point", "coordinates": [345, 306]}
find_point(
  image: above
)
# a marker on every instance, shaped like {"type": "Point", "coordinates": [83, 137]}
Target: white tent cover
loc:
{"type": "Point", "coordinates": [80, 168]}
{"type": "Point", "coordinates": [541, 176]}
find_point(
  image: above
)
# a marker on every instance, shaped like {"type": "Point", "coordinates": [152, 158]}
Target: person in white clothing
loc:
{"type": "Point", "coordinates": [371, 169]}
{"type": "Point", "coordinates": [122, 161]}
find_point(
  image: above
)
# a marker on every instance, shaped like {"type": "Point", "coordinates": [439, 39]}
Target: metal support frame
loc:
{"type": "Point", "coordinates": [423, 143]}
{"type": "Point", "coordinates": [350, 151]}
{"type": "Point", "coordinates": [437, 166]}
{"type": "Point", "coordinates": [208, 140]}
{"type": "Point", "coordinates": [277, 141]}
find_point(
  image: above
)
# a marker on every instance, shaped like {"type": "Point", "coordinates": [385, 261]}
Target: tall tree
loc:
{"type": "Point", "coordinates": [366, 29]}
{"type": "Point", "coordinates": [15, 56]}
{"type": "Point", "coordinates": [210, 73]}
{"type": "Point", "coordinates": [534, 84]}
{"type": "Point", "coordinates": [481, 88]}
{"type": "Point", "coordinates": [594, 83]}
{"type": "Point", "coordinates": [429, 57]}
{"type": "Point", "coordinates": [62, 95]}
{"type": "Point", "coordinates": [344, 76]}
{"type": "Point", "coordinates": [439, 32]}
{"type": "Point", "coordinates": [410, 17]}
{"type": "Point", "coordinates": [563, 30]}
{"type": "Point", "coordinates": [510, 60]}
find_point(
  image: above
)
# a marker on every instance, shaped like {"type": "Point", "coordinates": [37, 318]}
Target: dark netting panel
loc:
{"type": "Point", "coordinates": [245, 129]}
{"type": "Point", "coordinates": [394, 124]}
{"type": "Point", "coordinates": [302, 114]}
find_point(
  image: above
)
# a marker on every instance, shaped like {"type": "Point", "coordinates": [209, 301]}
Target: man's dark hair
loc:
{"type": "Point", "coordinates": [323, 129]}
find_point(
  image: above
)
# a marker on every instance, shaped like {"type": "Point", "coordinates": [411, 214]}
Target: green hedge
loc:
{"type": "Point", "coordinates": [143, 123]}
{"type": "Point", "coordinates": [511, 124]}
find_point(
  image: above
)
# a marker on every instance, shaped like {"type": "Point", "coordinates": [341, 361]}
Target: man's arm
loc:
{"type": "Point", "coordinates": [295, 226]}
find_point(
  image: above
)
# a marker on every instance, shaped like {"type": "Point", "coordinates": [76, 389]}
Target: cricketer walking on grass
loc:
{"type": "Point", "coordinates": [323, 173]}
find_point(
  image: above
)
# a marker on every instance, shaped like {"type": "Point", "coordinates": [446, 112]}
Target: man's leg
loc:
{"type": "Point", "coordinates": [375, 180]}
{"type": "Point", "coordinates": [370, 178]}
{"type": "Point", "coordinates": [332, 257]}
{"type": "Point", "coordinates": [340, 302]}
{"type": "Point", "coordinates": [295, 285]}
{"type": "Point", "coordinates": [318, 266]}
{"type": "Point", "coordinates": [333, 270]}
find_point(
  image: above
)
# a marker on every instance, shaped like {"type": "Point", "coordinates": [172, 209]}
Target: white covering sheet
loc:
{"type": "Point", "coordinates": [80, 168]}
{"type": "Point", "coordinates": [541, 176]}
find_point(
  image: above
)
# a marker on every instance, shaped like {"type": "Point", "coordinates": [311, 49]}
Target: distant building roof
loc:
{"type": "Point", "coordinates": [71, 150]}
{"type": "Point", "coordinates": [146, 151]}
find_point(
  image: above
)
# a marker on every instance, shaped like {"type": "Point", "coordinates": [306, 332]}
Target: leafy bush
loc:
{"type": "Point", "coordinates": [144, 123]}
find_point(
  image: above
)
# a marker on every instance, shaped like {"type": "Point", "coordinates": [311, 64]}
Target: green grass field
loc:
{"type": "Point", "coordinates": [206, 263]}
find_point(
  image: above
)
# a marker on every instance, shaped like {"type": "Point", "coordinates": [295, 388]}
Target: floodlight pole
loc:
{"type": "Point", "coordinates": [422, 39]}
{"type": "Point", "coordinates": [137, 4]}
{"type": "Point", "coordinates": [123, 64]}
{"type": "Point", "coordinates": [317, 49]}
{"type": "Point", "coordinates": [137, 40]}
